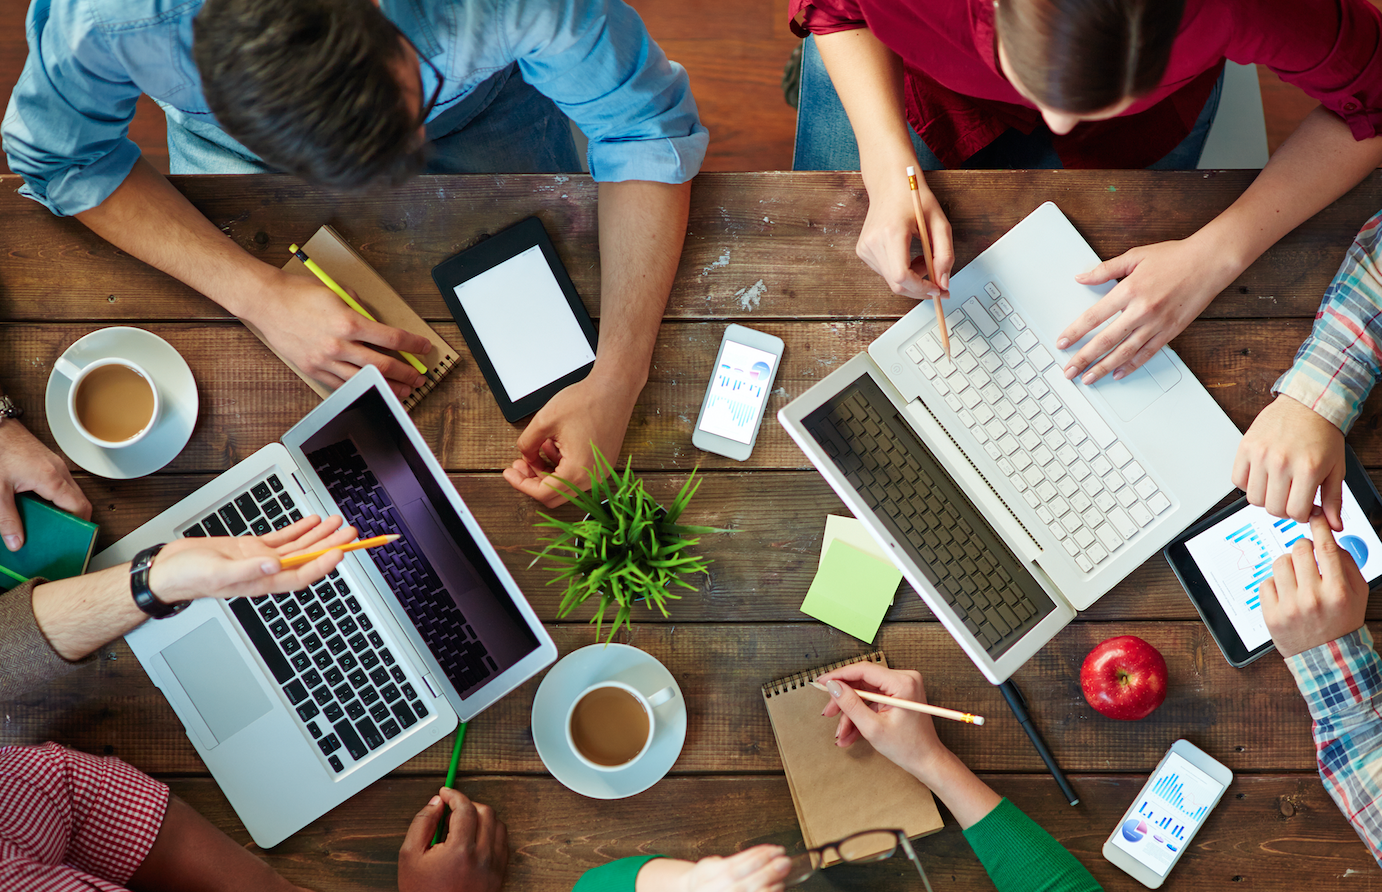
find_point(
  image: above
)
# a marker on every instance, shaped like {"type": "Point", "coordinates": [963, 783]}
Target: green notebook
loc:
{"type": "Point", "coordinates": [57, 545]}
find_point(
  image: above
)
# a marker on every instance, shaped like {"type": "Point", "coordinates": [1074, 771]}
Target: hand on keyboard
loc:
{"type": "Point", "coordinates": [246, 566]}
{"type": "Point", "coordinates": [1163, 288]}
{"type": "Point", "coordinates": [885, 242]}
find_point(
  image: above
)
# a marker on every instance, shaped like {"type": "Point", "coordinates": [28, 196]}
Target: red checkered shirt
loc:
{"type": "Point", "coordinates": [71, 822]}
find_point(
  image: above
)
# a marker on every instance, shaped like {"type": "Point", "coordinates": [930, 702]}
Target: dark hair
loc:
{"type": "Point", "coordinates": [1082, 56]}
{"type": "Point", "coordinates": [311, 87]}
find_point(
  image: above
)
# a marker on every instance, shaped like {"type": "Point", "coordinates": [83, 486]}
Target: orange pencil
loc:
{"type": "Point", "coordinates": [298, 560]}
{"type": "Point", "coordinates": [926, 255]}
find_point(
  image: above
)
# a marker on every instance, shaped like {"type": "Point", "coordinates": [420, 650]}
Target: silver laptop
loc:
{"type": "Point", "coordinates": [1010, 497]}
{"type": "Point", "coordinates": [299, 700]}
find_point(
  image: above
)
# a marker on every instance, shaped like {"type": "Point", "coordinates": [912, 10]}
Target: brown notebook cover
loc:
{"type": "Point", "coordinates": [838, 791]}
{"type": "Point", "coordinates": [349, 269]}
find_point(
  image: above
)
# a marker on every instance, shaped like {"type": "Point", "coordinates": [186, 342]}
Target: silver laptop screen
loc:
{"type": "Point", "coordinates": [438, 572]}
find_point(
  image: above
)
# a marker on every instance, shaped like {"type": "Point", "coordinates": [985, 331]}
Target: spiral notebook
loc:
{"type": "Point", "coordinates": [839, 791]}
{"type": "Point", "coordinates": [341, 262]}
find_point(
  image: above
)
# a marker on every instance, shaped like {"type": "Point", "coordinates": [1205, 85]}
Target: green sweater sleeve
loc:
{"type": "Point", "coordinates": [616, 876]}
{"type": "Point", "coordinates": [1021, 857]}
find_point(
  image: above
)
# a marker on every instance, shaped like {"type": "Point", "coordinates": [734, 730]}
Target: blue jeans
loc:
{"type": "Point", "coordinates": [825, 140]}
{"type": "Point", "coordinates": [503, 126]}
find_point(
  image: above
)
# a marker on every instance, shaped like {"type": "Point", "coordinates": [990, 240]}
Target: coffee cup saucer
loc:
{"type": "Point", "coordinates": [579, 670]}
{"type": "Point", "coordinates": [177, 392]}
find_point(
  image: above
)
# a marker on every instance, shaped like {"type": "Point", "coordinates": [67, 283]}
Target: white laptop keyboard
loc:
{"type": "Point", "coordinates": [1083, 484]}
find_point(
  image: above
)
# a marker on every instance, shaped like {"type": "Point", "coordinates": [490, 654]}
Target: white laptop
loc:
{"type": "Point", "coordinates": [297, 701]}
{"type": "Point", "coordinates": [1010, 497]}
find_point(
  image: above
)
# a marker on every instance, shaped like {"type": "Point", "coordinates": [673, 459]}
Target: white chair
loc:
{"type": "Point", "coordinates": [1238, 137]}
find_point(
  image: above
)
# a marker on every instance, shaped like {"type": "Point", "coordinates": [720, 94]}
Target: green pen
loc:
{"type": "Point", "coordinates": [17, 578]}
{"type": "Point", "coordinates": [451, 778]}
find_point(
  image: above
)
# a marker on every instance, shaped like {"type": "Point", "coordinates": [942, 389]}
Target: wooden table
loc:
{"type": "Point", "coordinates": [775, 251]}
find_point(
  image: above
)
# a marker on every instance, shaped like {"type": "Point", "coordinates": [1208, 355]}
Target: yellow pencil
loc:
{"type": "Point", "coordinates": [350, 301]}
{"type": "Point", "coordinates": [298, 560]}
{"type": "Point", "coordinates": [926, 255]}
{"type": "Point", "coordinates": [938, 711]}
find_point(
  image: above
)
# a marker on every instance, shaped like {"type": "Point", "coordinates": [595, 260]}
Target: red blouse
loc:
{"type": "Point", "coordinates": [959, 102]}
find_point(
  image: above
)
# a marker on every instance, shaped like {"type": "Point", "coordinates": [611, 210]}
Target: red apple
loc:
{"type": "Point", "coordinates": [1124, 678]}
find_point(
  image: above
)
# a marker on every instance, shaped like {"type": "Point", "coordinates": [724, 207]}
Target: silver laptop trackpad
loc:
{"type": "Point", "coordinates": [216, 679]}
{"type": "Point", "coordinates": [1139, 390]}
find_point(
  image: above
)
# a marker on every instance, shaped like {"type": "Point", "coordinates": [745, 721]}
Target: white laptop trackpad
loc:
{"type": "Point", "coordinates": [215, 678]}
{"type": "Point", "coordinates": [1139, 390]}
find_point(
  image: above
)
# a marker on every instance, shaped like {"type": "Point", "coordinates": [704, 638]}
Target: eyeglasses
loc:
{"type": "Point", "coordinates": [860, 848]}
{"type": "Point", "coordinates": [436, 91]}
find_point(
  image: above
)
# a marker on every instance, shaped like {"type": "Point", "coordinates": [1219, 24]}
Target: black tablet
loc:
{"type": "Point", "coordinates": [526, 326]}
{"type": "Point", "coordinates": [1223, 560]}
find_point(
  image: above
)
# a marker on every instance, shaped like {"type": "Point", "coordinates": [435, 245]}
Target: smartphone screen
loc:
{"type": "Point", "coordinates": [1236, 555]}
{"type": "Point", "coordinates": [738, 392]}
{"type": "Point", "coordinates": [1170, 810]}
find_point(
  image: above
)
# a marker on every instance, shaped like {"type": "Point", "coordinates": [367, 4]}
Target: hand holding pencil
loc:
{"type": "Point", "coordinates": [904, 736]}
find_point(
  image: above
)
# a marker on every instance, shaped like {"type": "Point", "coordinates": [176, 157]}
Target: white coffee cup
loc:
{"type": "Point", "coordinates": [78, 375]}
{"type": "Point", "coordinates": [649, 703]}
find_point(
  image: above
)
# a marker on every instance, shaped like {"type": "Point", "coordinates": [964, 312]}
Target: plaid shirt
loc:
{"type": "Point", "coordinates": [1341, 360]}
{"type": "Point", "coordinates": [1342, 685]}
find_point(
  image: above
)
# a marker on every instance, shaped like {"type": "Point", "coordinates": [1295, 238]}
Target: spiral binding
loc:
{"type": "Point", "coordinates": [434, 376]}
{"type": "Point", "coordinates": [803, 679]}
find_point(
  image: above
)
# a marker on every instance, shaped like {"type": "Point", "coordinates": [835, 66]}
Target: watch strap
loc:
{"type": "Point", "coordinates": [9, 408]}
{"type": "Point", "coordinates": [139, 586]}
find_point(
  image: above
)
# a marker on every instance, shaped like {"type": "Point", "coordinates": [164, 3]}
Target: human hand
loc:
{"type": "Point", "coordinates": [1288, 454]}
{"type": "Point", "coordinates": [759, 869]}
{"type": "Point", "coordinates": [885, 242]}
{"type": "Point", "coordinates": [309, 324]}
{"type": "Point", "coordinates": [1313, 597]}
{"type": "Point", "coordinates": [558, 439]}
{"type": "Point", "coordinates": [1163, 288]}
{"type": "Point", "coordinates": [472, 858]}
{"type": "Point", "coordinates": [246, 566]}
{"type": "Point", "coordinates": [904, 737]}
{"type": "Point", "coordinates": [26, 465]}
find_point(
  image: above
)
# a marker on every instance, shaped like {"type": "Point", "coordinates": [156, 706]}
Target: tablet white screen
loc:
{"type": "Point", "coordinates": [522, 317]}
{"type": "Point", "coordinates": [738, 391]}
{"type": "Point", "coordinates": [1236, 555]}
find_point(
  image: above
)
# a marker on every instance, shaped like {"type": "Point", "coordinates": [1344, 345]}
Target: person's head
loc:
{"type": "Point", "coordinates": [328, 90]}
{"type": "Point", "coordinates": [1085, 60]}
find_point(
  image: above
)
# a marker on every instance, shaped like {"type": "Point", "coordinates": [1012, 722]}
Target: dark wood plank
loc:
{"type": "Point", "coordinates": [803, 252]}
{"type": "Point", "coordinates": [1252, 719]}
{"type": "Point", "coordinates": [1269, 831]}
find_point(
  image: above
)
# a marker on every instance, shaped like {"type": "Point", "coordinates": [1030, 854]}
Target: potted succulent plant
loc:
{"type": "Point", "coordinates": [627, 548]}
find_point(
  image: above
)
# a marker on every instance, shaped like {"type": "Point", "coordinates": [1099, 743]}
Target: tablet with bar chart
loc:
{"type": "Point", "coordinates": [1230, 555]}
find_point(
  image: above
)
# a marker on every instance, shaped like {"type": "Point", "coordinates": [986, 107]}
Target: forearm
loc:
{"type": "Point", "coordinates": [642, 227]}
{"type": "Point", "coordinates": [149, 219]}
{"type": "Point", "coordinates": [81, 614]}
{"type": "Point", "coordinates": [968, 798]}
{"type": "Point", "coordinates": [868, 79]}
{"type": "Point", "coordinates": [1318, 163]}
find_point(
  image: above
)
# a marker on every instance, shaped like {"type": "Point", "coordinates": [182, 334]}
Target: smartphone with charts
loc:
{"type": "Point", "coordinates": [1165, 816]}
{"type": "Point", "coordinates": [737, 394]}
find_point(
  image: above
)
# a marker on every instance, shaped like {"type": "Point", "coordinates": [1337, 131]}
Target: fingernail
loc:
{"type": "Point", "coordinates": [934, 292]}
{"type": "Point", "coordinates": [1088, 379]}
{"type": "Point", "coordinates": [834, 688]}
{"type": "Point", "coordinates": [1071, 372]}
{"type": "Point", "coordinates": [1062, 343]}
{"type": "Point", "coordinates": [1118, 374]}
{"type": "Point", "coordinates": [267, 568]}
{"type": "Point", "coordinates": [1086, 272]}
{"type": "Point", "coordinates": [13, 542]}
{"type": "Point", "coordinates": [434, 800]}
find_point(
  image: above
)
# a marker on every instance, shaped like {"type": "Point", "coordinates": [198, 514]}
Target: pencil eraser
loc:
{"type": "Point", "coordinates": [911, 171]}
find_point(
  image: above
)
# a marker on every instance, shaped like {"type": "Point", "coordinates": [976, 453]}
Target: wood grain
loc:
{"type": "Point", "coordinates": [803, 251]}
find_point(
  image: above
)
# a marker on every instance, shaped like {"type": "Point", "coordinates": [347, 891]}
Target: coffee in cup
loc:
{"type": "Point", "coordinates": [113, 402]}
{"type": "Point", "coordinates": [611, 724]}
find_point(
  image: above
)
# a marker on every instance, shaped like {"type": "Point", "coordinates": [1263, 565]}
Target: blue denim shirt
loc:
{"type": "Point", "coordinates": [66, 131]}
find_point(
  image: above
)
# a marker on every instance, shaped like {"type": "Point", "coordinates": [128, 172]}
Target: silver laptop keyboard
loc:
{"type": "Point", "coordinates": [333, 666]}
{"type": "Point", "coordinates": [1068, 465]}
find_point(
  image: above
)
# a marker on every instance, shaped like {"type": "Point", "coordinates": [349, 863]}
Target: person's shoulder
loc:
{"type": "Point", "coordinates": [117, 16]}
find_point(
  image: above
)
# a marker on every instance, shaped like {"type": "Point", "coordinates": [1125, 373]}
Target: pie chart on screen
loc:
{"type": "Point", "coordinates": [1134, 829]}
{"type": "Point", "coordinates": [1356, 547]}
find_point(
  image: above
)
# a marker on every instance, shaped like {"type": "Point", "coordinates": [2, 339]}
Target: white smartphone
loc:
{"type": "Point", "coordinates": [737, 394]}
{"type": "Point", "coordinates": [1157, 828]}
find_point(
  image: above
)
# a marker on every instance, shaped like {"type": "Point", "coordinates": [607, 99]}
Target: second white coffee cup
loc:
{"type": "Point", "coordinates": [113, 402]}
{"type": "Point", "coordinates": [611, 725]}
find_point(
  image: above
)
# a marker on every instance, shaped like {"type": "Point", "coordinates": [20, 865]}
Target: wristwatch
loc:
{"type": "Point", "coordinates": [139, 586]}
{"type": "Point", "coordinates": [9, 408]}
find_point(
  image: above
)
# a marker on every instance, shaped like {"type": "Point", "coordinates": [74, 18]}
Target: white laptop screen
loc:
{"type": "Point", "coordinates": [438, 572]}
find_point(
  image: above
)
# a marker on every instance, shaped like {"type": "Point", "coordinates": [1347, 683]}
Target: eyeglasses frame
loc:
{"type": "Point", "coordinates": [423, 60]}
{"type": "Point", "coordinates": [901, 840]}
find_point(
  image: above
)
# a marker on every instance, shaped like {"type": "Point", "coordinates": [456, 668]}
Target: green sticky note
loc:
{"type": "Point", "coordinates": [852, 590]}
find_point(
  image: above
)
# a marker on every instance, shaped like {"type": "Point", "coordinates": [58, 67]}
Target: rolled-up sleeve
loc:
{"type": "Point", "coordinates": [824, 16]}
{"type": "Point", "coordinates": [67, 125]}
{"type": "Point", "coordinates": [597, 62]}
